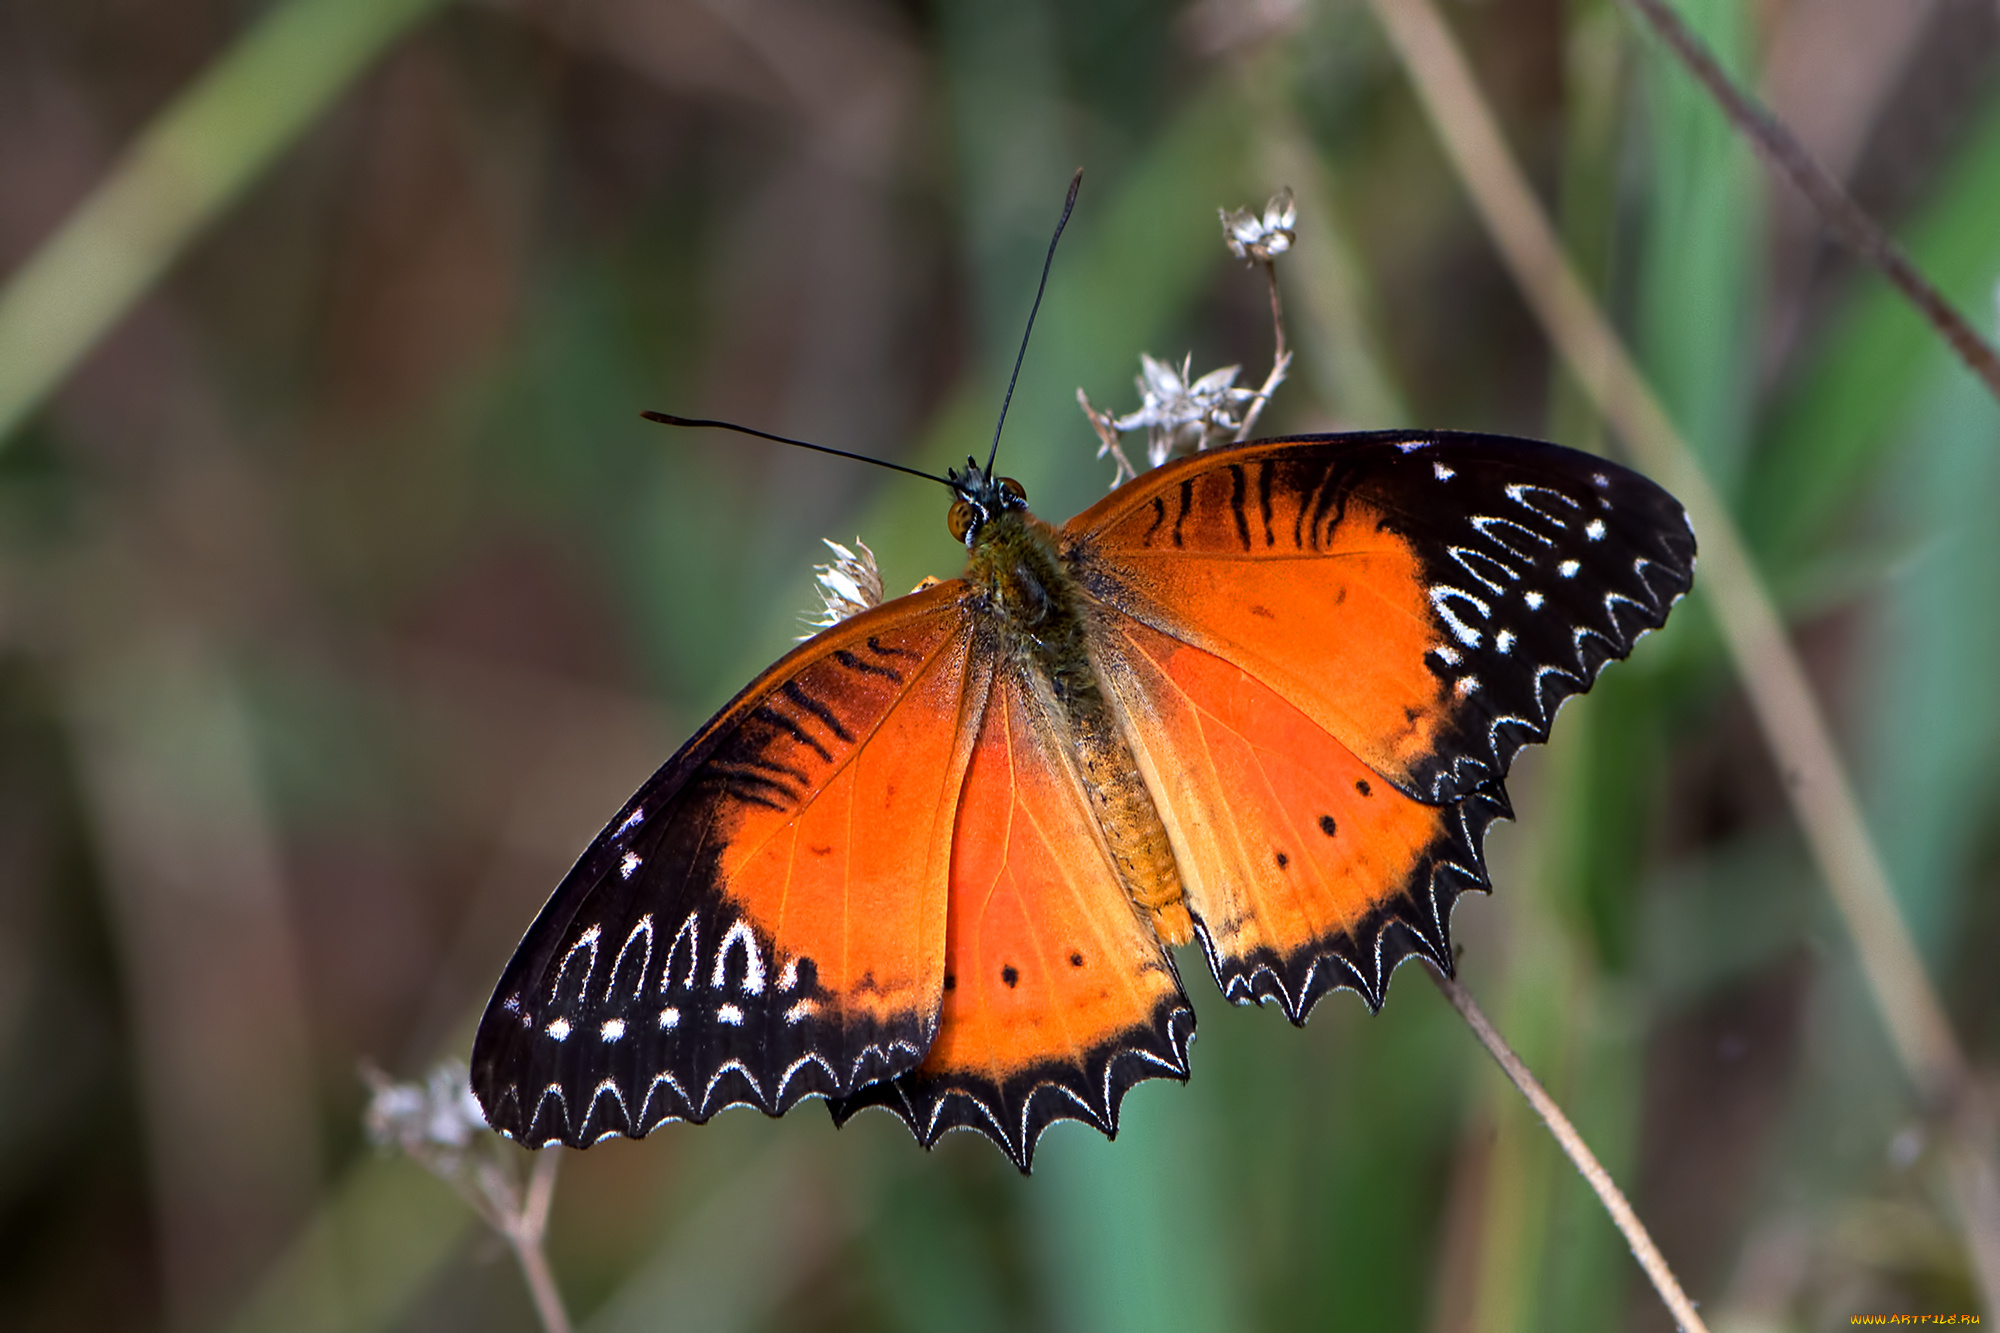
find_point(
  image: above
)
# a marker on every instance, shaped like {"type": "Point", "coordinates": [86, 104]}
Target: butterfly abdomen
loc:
{"type": "Point", "coordinates": [1035, 610]}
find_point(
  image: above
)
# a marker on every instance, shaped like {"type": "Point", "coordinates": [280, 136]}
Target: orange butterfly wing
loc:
{"type": "Point", "coordinates": [1427, 599]}
{"type": "Point", "coordinates": [1304, 869]}
{"type": "Point", "coordinates": [765, 919]}
{"type": "Point", "coordinates": [1058, 995]}
{"type": "Point", "coordinates": [1328, 650]}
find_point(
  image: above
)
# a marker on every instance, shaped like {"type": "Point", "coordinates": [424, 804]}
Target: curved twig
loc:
{"type": "Point", "coordinates": [1843, 217]}
{"type": "Point", "coordinates": [1579, 1153]}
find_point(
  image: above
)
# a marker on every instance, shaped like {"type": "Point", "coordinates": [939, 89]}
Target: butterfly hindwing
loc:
{"type": "Point", "coordinates": [1058, 994]}
{"type": "Point", "coordinates": [765, 919]}
{"type": "Point", "coordinates": [1427, 599]}
{"type": "Point", "coordinates": [1305, 870]}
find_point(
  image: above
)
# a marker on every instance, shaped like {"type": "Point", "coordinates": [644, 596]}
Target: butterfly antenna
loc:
{"type": "Point", "coordinates": [668, 419]}
{"type": "Point", "coordinates": [1075, 184]}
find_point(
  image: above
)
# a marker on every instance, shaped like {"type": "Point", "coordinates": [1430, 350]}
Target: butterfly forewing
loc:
{"type": "Point", "coordinates": [1429, 600]}
{"type": "Point", "coordinates": [766, 918]}
{"type": "Point", "coordinates": [1058, 995]}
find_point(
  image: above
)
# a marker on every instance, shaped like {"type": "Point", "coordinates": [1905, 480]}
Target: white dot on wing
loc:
{"type": "Point", "coordinates": [729, 1014]}
{"type": "Point", "coordinates": [613, 1029]}
{"type": "Point", "coordinates": [558, 1028]}
{"type": "Point", "coordinates": [1568, 569]}
{"type": "Point", "coordinates": [670, 1017]}
{"type": "Point", "coordinates": [1533, 599]}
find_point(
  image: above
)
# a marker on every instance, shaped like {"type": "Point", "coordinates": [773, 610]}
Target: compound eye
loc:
{"type": "Point", "coordinates": [961, 519]}
{"type": "Point", "coordinates": [1013, 488]}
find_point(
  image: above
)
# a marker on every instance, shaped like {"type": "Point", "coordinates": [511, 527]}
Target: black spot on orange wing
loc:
{"type": "Point", "coordinates": [1011, 976]}
{"type": "Point", "coordinates": [1327, 826]}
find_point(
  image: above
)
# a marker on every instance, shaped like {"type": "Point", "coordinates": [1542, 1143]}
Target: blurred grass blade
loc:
{"type": "Point", "coordinates": [184, 169]}
{"type": "Point", "coordinates": [199, 898]}
{"type": "Point", "coordinates": [1701, 266]}
{"type": "Point", "coordinates": [379, 1237]}
{"type": "Point", "coordinates": [1877, 358]}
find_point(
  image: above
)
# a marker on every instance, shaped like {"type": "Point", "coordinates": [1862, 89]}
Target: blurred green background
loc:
{"type": "Point", "coordinates": [343, 595]}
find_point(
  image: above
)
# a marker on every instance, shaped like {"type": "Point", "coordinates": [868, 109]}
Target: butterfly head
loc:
{"type": "Point", "coordinates": [981, 497]}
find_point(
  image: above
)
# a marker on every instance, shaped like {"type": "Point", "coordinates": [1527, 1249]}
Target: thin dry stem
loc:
{"type": "Point", "coordinates": [1281, 357]}
{"type": "Point", "coordinates": [1843, 217]}
{"type": "Point", "coordinates": [522, 1218]}
{"type": "Point", "coordinates": [1579, 1153]}
{"type": "Point", "coordinates": [525, 1237]}
{"type": "Point", "coordinates": [1775, 680]}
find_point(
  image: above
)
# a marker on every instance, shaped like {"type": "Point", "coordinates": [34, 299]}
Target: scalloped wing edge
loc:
{"type": "Point", "coordinates": [1014, 1112]}
{"type": "Point", "coordinates": [1416, 922]}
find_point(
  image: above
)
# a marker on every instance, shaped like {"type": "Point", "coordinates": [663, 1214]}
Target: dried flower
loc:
{"type": "Point", "coordinates": [1106, 427]}
{"type": "Point", "coordinates": [438, 1124]}
{"type": "Point", "coordinates": [848, 585]}
{"type": "Point", "coordinates": [433, 1122]}
{"type": "Point", "coordinates": [1183, 416]}
{"type": "Point", "coordinates": [1260, 240]}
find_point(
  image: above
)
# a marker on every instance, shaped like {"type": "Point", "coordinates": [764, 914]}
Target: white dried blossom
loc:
{"type": "Point", "coordinates": [1182, 415]}
{"type": "Point", "coordinates": [848, 584]}
{"type": "Point", "coordinates": [433, 1122]}
{"type": "Point", "coordinates": [1262, 239]}
{"type": "Point", "coordinates": [439, 1125]}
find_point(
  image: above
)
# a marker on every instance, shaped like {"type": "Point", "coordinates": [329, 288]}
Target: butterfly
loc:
{"type": "Point", "coordinates": [937, 858]}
